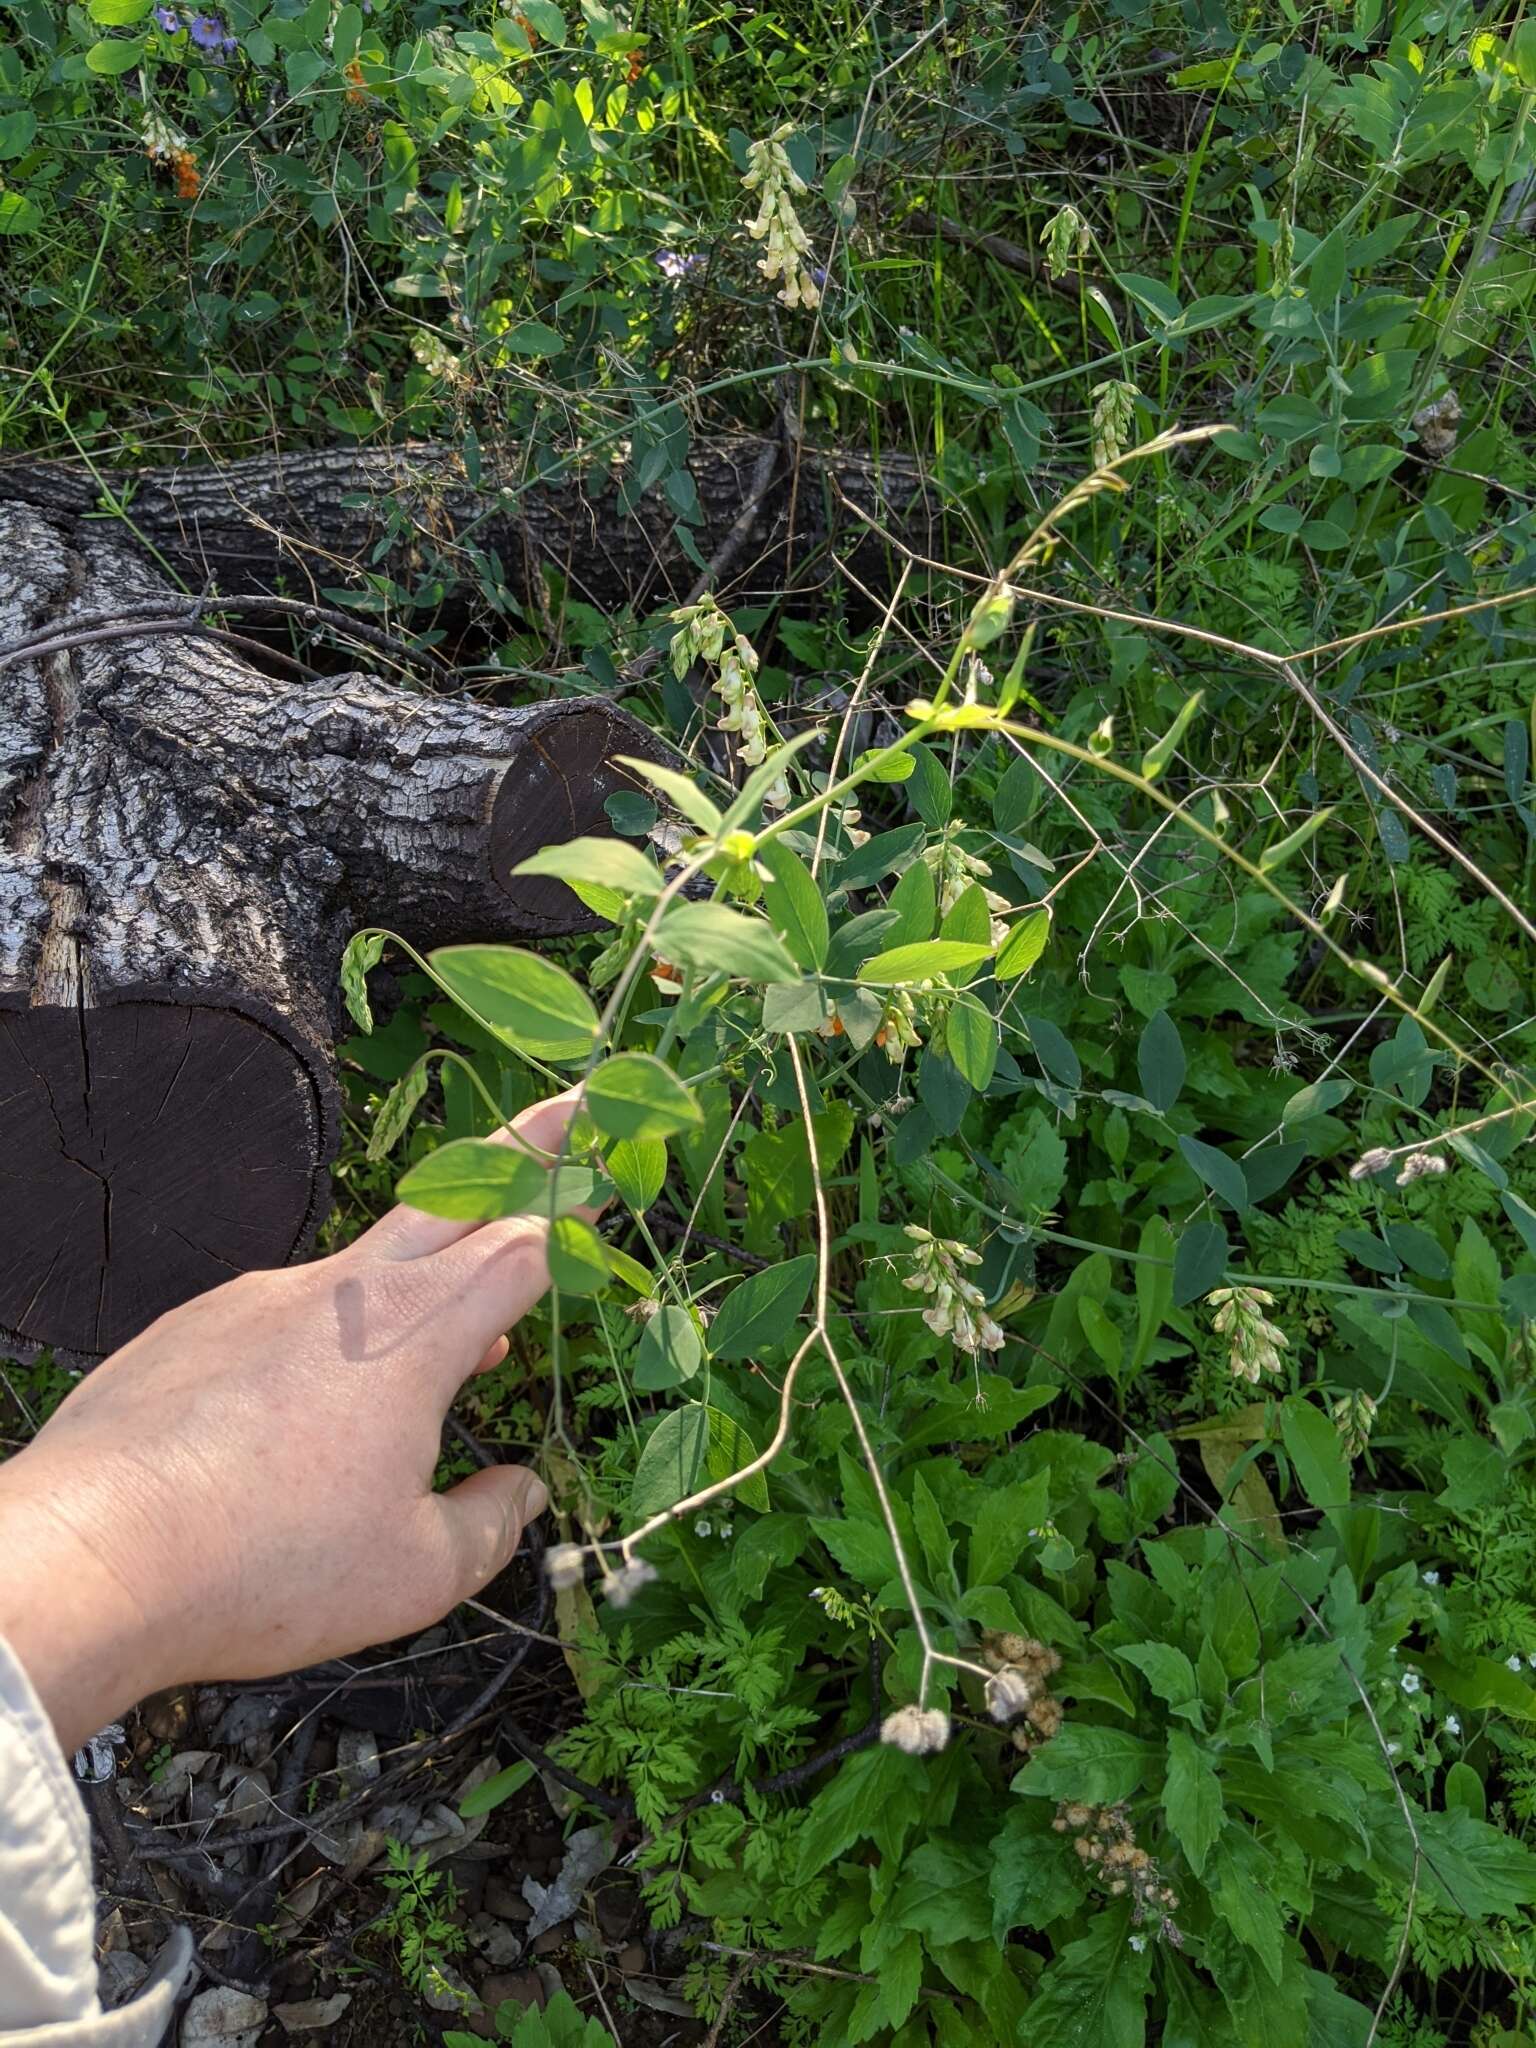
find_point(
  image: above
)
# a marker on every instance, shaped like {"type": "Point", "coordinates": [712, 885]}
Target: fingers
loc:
{"type": "Point", "coordinates": [407, 1233]}
{"type": "Point", "coordinates": [494, 1355]}
{"type": "Point", "coordinates": [482, 1286]}
{"type": "Point", "coordinates": [481, 1523]}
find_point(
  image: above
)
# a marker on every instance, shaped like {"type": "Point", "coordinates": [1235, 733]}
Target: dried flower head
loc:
{"type": "Point", "coordinates": [705, 634]}
{"type": "Point", "coordinates": [1114, 420]}
{"type": "Point", "coordinates": [1009, 1694]}
{"type": "Point", "coordinates": [630, 1578]}
{"type": "Point", "coordinates": [1065, 238]}
{"type": "Point", "coordinates": [565, 1565]}
{"type": "Point", "coordinates": [1353, 1417]}
{"type": "Point", "coordinates": [1374, 1161]}
{"type": "Point", "coordinates": [1255, 1345]}
{"type": "Point", "coordinates": [1436, 426]}
{"type": "Point", "coordinates": [1417, 1165]}
{"type": "Point", "coordinates": [786, 244]}
{"type": "Point", "coordinates": [920, 1731]}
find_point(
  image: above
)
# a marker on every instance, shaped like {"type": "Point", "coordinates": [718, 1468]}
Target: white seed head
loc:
{"type": "Point", "coordinates": [919, 1731]}
{"type": "Point", "coordinates": [565, 1566]}
{"type": "Point", "coordinates": [632, 1578]}
{"type": "Point", "coordinates": [1009, 1693]}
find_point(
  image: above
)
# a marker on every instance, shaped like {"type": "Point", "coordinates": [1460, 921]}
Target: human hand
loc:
{"type": "Point", "coordinates": [246, 1488]}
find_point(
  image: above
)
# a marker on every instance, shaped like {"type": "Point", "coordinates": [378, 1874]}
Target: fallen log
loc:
{"type": "Point", "coordinates": [308, 521]}
{"type": "Point", "coordinates": [186, 843]}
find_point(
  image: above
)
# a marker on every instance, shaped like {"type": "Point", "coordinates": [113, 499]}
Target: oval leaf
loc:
{"type": "Point", "coordinates": [761, 1312]}
{"type": "Point", "coordinates": [722, 941]}
{"type": "Point", "coordinates": [923, 962]}
{"type": "Point", "coordinates": [635, 1095]}
{"type": "Point", "coordinates": [475, 1180]}
{"type": "Point", "coordinates": [527, 1001]}
{"type": "Point", "coordinates": [1023, 945]}
{"type": "Point", "coordinates": [638, 1168]}
{"type": "Point", "coordinates": [611, 863]}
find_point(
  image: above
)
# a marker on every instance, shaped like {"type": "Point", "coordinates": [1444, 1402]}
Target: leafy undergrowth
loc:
{"type": "Point", "coordinates": [1070, 1102]}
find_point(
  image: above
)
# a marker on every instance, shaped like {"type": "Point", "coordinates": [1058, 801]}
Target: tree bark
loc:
{"type": "Point", "coordinates": [185, 846]}
{"type": "Point", "coordinates": [309, 521]}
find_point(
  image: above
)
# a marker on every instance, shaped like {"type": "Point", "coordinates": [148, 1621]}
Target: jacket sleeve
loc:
{"type": "Point", "coordinates": [48, 1995]}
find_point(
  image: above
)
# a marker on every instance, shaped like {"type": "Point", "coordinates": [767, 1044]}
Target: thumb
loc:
{"type": "Point", "coordinates": [481, 1522]}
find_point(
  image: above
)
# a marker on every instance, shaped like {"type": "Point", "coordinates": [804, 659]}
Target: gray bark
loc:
{"type": "Point", "coordinates": [307, 520]}
{"type": "Point", "coordinates": [185, 846]}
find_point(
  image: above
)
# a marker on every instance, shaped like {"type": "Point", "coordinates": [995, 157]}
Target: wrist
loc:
{"type": "Point", "coordinates": [87, 1637]}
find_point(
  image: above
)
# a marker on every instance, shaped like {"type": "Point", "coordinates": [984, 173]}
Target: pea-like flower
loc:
{"type": "Point", "coordinates": [705, 634]}
{"type": "Point", "coordinates": [958, 1308]}
{"type": "Point", "coordinates": [786, 243]}
{"type": "Point", "coordinates": [1254, 1344]}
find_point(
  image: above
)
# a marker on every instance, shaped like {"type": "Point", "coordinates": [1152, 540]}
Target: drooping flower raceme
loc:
{"type": "Point", "coordinates": [786, 244]}
{"type": "Point", "coordinates": [954, 870]}
{"type": "Point", "coordinates": [1255, 1345]}
{"type": "Point", "coordinates": [1114, 419]}
{"type": "Point", "coordinates": [705, 634]}
{"type": "Point", "coordinates": [958, 1308]}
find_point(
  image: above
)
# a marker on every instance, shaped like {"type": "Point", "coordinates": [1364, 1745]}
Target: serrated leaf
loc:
{"type": "Point", "coordinates": [1192, 1798]}
{"type": "Point", "coordinates": [1090, 1764]}
{"type": "Point", "coordinates": [636, 1096]}
{"type": "Point", "coordinates": [525, 1000]}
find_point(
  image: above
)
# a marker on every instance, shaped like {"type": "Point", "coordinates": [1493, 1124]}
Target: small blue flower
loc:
{"type": "Point", "coordinates": [674, 264]}
{"type": "Point", "coordinates": [169, 20]}
{"type": "Point", "coordinates": [208, 31]}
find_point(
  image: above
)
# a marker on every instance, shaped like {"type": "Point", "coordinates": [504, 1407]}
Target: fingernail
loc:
{"type": "Point", "coordinates": [532, 1494]}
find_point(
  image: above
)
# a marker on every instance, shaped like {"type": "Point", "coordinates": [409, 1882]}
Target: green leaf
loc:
{"type": "Point", "coordinates": [532, 338]}
{"type": "Point", "coordinates": [634, 1095]}
{"type": "Point", "coordinates": [1160, 1061]}
{"type": "Point", "coordinates": [1157, 756]}
{"type": "Point", "coordinates": [611, 863]}
{"type": "Point", "coordinates": [638, 1170]}
{"type": "Point", "coordinates": [1199, 1261]}
{"type": "Point", "coordinates": [578, 1258]}
{"type": "Point", "coordinates": [1314, 1448]}
{"type": "Point", "coordinates": [1150, 295]}
{"type": "Point", "coordinates": [1035, 1875]}
{"type": "Point", "coordinates": [110, 59]}
{"type": "Point", "coordinates": [685, 795]}
{"type": "Point", "coordinates": [1025, 943]}
{"type": "Point", "coordinates": [874, 1796]}
{"type": "Point", "coordinates": [925, 962]}
{"type": "Point", "coordinates": [1482, 1683]}
{"type": "Point", "coordinates": [494, 1792]}
{"type": "Point", "coordinates": [794, 905]}
{"type": "Point", "coordinates": [1001, 1525]}
{"type": "Point", "coordinates": [1090, 1764]}
{"type": "Point", "coordinates": [1316, 1099]}
{"type": "Point", "coordinates": [364, 952]}
{"type": "Point", "coordinates": [672, 1462]}
{"type": "Point", "coordinates": [394, 1112]}
{"type": "Point", "coordinates": [760, 1312]}
{"type": "Point", "coordinates": [1166, 1669]}
{"type": "Point", "coordinates": [915, 900]}
{"type": "Point", "coordinates": [527, 1001]}
{"type": "Point", "coordinates": [118, 13]}
{"type": "Point", "coordinates": [17, 130]}
{"type": "Point", "coordinates": [1191, 1798]}
{"type": "Point", "coordinates": [670, 1350]}
{"type": "Point", "coordinates": [1094, 1993]}
{"type": "Point", "coordinates": [716, 940]}
{"type": "Point", "coordinates": [477, 1180]}
{"type": "Point", "coordinates": [1245, 1898]}
{"type": "Point", "coordinates": [970, 1039]}
{"type": "Point", "coordinates": [1223, 1176]}
{"type": "Point", "coordinates": [730, 1451]}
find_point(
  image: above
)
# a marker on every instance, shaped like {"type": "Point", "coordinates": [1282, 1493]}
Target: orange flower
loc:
{"type": "Point", "coordinates": [355, 91]}
{"type": "Point", "coordinates": [189, 179]}
{"type": "Point", "coordinates": [528, 30]}
{"type": "Point", "coordinates": [636, 64]}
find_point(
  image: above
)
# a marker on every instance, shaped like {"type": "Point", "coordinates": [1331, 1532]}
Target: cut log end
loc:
{"type": "Point", "coordinates": [155, 1148]}
{"type": "Point", "coordinates": [558, 789]}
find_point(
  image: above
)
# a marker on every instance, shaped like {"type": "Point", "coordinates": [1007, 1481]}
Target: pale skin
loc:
{"type": "Point", "coordinates": [246, 1488]}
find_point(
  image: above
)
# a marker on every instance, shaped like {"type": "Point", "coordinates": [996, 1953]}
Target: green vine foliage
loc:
{"type": "Point", "coordinates": [1042, 1421]}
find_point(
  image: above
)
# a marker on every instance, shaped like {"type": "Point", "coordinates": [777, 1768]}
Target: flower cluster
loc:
{"type": "Point", "coordinates": [1414, 1167]}
{"type": "Point", "coordinates": [954, 870]}
{"type": "Point", "coordinates": [919, 1731]}
{"type": "Point", "coordinates": [771, 174]}
{"type": "Point", "coordinates": [1064, 238]}
{"type": "Point", "coordinates": [206, 31]}
{"type": "Point", "coordinates": [165, 144]}
{"type": "Point", "coordinates": [675, 265]}
{"type": "Point", "coordinates": [1106, 1842]}
{"type": "Point", "coordinates": [1114, 420]}
{"type": "Point", "coordinates": [958, 1308]}
{"type": "Point", "coordinates": [705, 634]}
{"type": "Point", "coordinates": [1022, 1668]}
{"type": "Point", "coordinates": [1255, 1344]}
{"type": "Point", "coordinates": [1353, 1417]}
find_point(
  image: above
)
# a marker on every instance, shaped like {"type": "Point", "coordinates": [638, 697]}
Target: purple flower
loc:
{"type": "Point", "coordinates": [208, 32]}
{"type": "Point", "coordinates": [674, 264]}
{"type": "Point", "coordinates": [169, 20]}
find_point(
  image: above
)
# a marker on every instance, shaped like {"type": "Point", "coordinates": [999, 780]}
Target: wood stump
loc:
{"type": "Point", "coordinates": [186, 844]}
